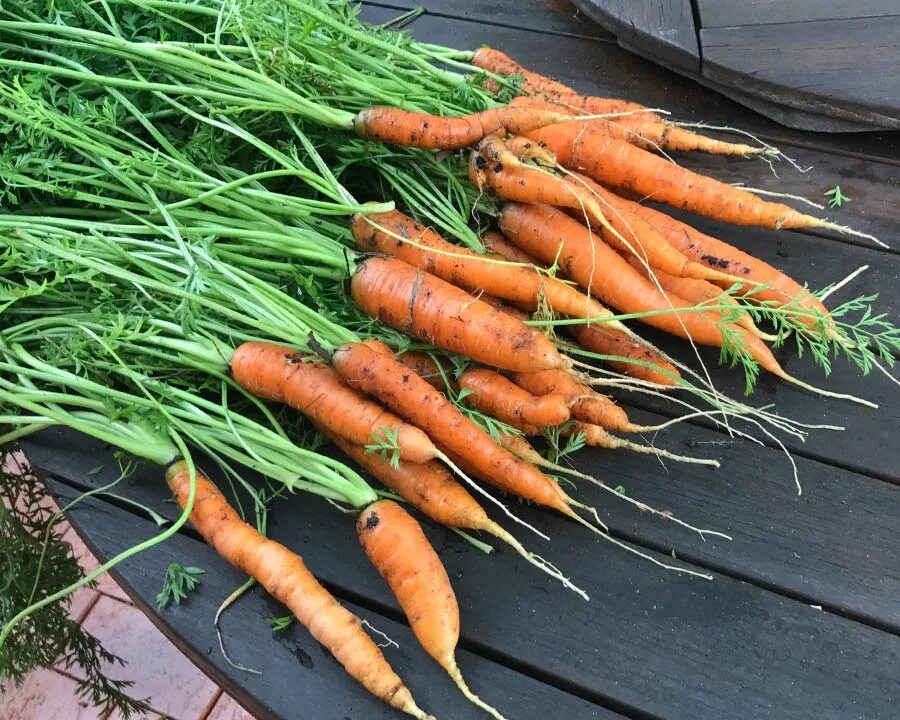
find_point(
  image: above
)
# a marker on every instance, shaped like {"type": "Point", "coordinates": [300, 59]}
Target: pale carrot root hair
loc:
{"type": "Point", "coordinates": [399, 550]}
{"type": "Point", "coordinates": [420, 305]}
{"type": "Point", "coordinates": [281, 374]}
{"type": "Point", "coordinates": [286, 578]}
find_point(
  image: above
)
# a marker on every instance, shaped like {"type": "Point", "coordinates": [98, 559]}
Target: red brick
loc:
{"type": "Point", "coordinates": [88, 562]}
{"type": "Point", "coordinates": [43, 695]}
{"type": "Point", "coordinates": [227, 708]}
{"type": "Point", "coordinates": [160, 672]}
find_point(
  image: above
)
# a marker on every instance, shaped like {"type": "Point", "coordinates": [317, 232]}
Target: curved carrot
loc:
{"type": "Point", "coordinates": [286, 578]}
{"type": "Point", "coordinates": [778, 287]}
{"type": "Point", "coordinates": [399, 550]}
{"type": "Point", "coordinates": [500, 63]}
{"type": "Point", "coordinates": [548, 232]}
{"type": "Point", "coordinates": [615, 162]}
{"type": "Point", "coordinates": [410, 396]}
{"type": "Point", "coordinates": [496, 396]}
{"type": "Point", "coordinates": [280, 374]}
{"type": "Point", "coordinates": [585, 404]}
{"type": "Point", "coordinates": [602, 338]}
{"type": "Point", "coordinates": [436, 132]}
{"type": "Point", "coordinates": [436, 312]}
{"type": "Point", "coordinates": [428, 251]}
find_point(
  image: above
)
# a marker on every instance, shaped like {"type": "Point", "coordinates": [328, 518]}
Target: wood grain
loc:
{"type": "Point", "coordinates": [731, 13]}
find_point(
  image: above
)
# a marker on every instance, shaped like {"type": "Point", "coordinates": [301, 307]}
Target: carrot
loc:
{"type": "Point", "coordinates": [778, 287]}
{"type": "Point", "coordinates": [639, 238]}
{"type": "Point", "coordinates": [615, 162]}
{"type": "Point", "coordinates": [602, 338]}
{"type": "Point", "coordinates": [435, 311]}
{"type": "Point", "coordinates": [548, 232]}
{"type": "Point", "coordinates": [280, 374]}
{"type": "Point", "coordinates": [500, 63]}
{"type": "Point", "coordinates": [496, 396]}
{"type": "Point", "coordinates": [394, 233]}
{"type": "Point", "coordinates": [410, 396]}
{"type": "Point", "coordinates": [584, 403]}
{"type": "Point", "coordinates": [286, 578]}
{"type": "Point", "coordinates": [701, 292]}
{"type": "Point", "coordinates": [436, 132]}
{"type": "Point", "coordinates": [399, 550]}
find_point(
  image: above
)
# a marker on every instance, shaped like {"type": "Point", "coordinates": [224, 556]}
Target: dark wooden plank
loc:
{"type": "Point", "coordinates": [557, 17]}
{"type": "Point", "coordinates": [730, 13]}
{"type": "Point", "coordinates": [844, 68]}
{"type": "Point", "coordinates": [664, 30]}
{"type": "Point", "coordinates": [296, 671]}
{"type": "Point", "coordinates": [604, 68]}
{"type": "Point", "coordinates": [652, 642]}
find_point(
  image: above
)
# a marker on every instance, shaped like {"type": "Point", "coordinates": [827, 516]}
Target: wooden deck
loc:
{"type": "Point", "coordinates": [823, 65]}
{"type": "Point", "coordinates": [802, 619]}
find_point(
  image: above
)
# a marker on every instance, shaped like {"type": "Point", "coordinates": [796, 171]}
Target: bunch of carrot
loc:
{"type": "Point", "coordinates": [181, 265]}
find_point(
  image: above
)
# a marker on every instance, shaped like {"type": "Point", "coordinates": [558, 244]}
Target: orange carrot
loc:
{"type": "Point", "coordinates": [548, 232]}
{"type": "Point", "coordinates": [617, 163]}
{"type": "Point", "coordinates": [280, 374]}
{"type": "Point", "coordinates": [435, 132]}
{"type": "Point", "coordinates": [399, 550]}
{"type": "Point", "coordinates": [286, 578]}
{"type": "Point", "coordinates": [501, 64]}
{"type": "Point", "coordinates": [704, 248]}
{"type": "Point", "coordinates": [585, 404]}
{"type": "Point", "coordinates": [496, 396]}
{"type": "Point", "coordinates": [389, 232]}
{"type": "Point", "coordinates": [602, 338]}
{"type": "Point", "coordinates": [435, 311]}
{"type": "Point", "coordinates": [382, 377]}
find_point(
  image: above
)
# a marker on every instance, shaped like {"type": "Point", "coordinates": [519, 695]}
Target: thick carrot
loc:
{"type": "Point", "coordinates": [778, 287]}
{"type": "Point", "coordinates": [399, 550]}
{"type": "Point", "coordinates": [437, 312]}
{"type": "Point", "coordinates": [280, 374]}
{"type": "Point", "coordinates": [407, 394]}
{"type": "Point", "coordinates": [494, 395]}
{"type": "Point", "coordinates": [286, 578]}
{"type": "Point", "coordinates": [437, 132]}
{"type": "Point", "coordinates": [615, 162]}
{"type": "Point", "coordinates": [428, 251]}
{"type": "Point", "coordinates": [551, 234]}
{"type": "Point", "coordinates": [584, 403]}
{"type": "Point", "coordinates": [602, 338]}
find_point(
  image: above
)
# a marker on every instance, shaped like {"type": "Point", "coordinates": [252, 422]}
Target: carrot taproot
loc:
{"type": "Point", "coordinates": [617, 163]}
{"type": "Point", "coordinates": [701, 292]}
{"type": "Point", "coordinates": [433, 310]}
{"type": "Point", "coordinates": [382, 377]}
{"type": "Point", "coordinates": [604, 338]}
{"type": "Point", "coordinates": [551, 234]}
{"type": "Point", "coordinates": [584, 403]}
{"type": "Point", "coordinates": [494, 395]}
{"type": "Point", "coordinates": [399, 550]}
{"type": "Point", "coordinates": [437, 132]}
{"type": "Point", "coordinates": [774, 287]}
{"type": "Point", "coordinates": [393, 233]}
{"type": "Point", "coordinates": [285, 577]}
{"type": "Point", "coordinates": [280, 374]}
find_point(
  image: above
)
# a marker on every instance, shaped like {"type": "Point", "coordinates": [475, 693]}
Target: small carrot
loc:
{"type": "Point", "coordinates": [382, 377]}
{"type": "Point", "coordinates": [617, 163]}
{"type": "Point", "coordinates": [540, 229]}
{"type": "Point", "coordinates": [500, 63]}
{"type": "Point", "coordinates": [394, 233]}
{"type": "Point", "coordinates": [585, 404]}
{"type": "Point", "coordinates": [436, 312]}
{"type": "Point", "coordinates": [286, 578]}
{"type": "Point", "coordinates": [605, 338]}
{"type": "Point", "coordinates": [436, 132]}
{"type": "Point", "coordinates": [399, 550]}
{"type": "Point", "coordinates": [280, 374]}
{"type": "Point", "coordinates": [506, 401]}
{"type": "Point", "coordinates": [701, 292]}
{"type": "Point", "coordinates": [777, 287]}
